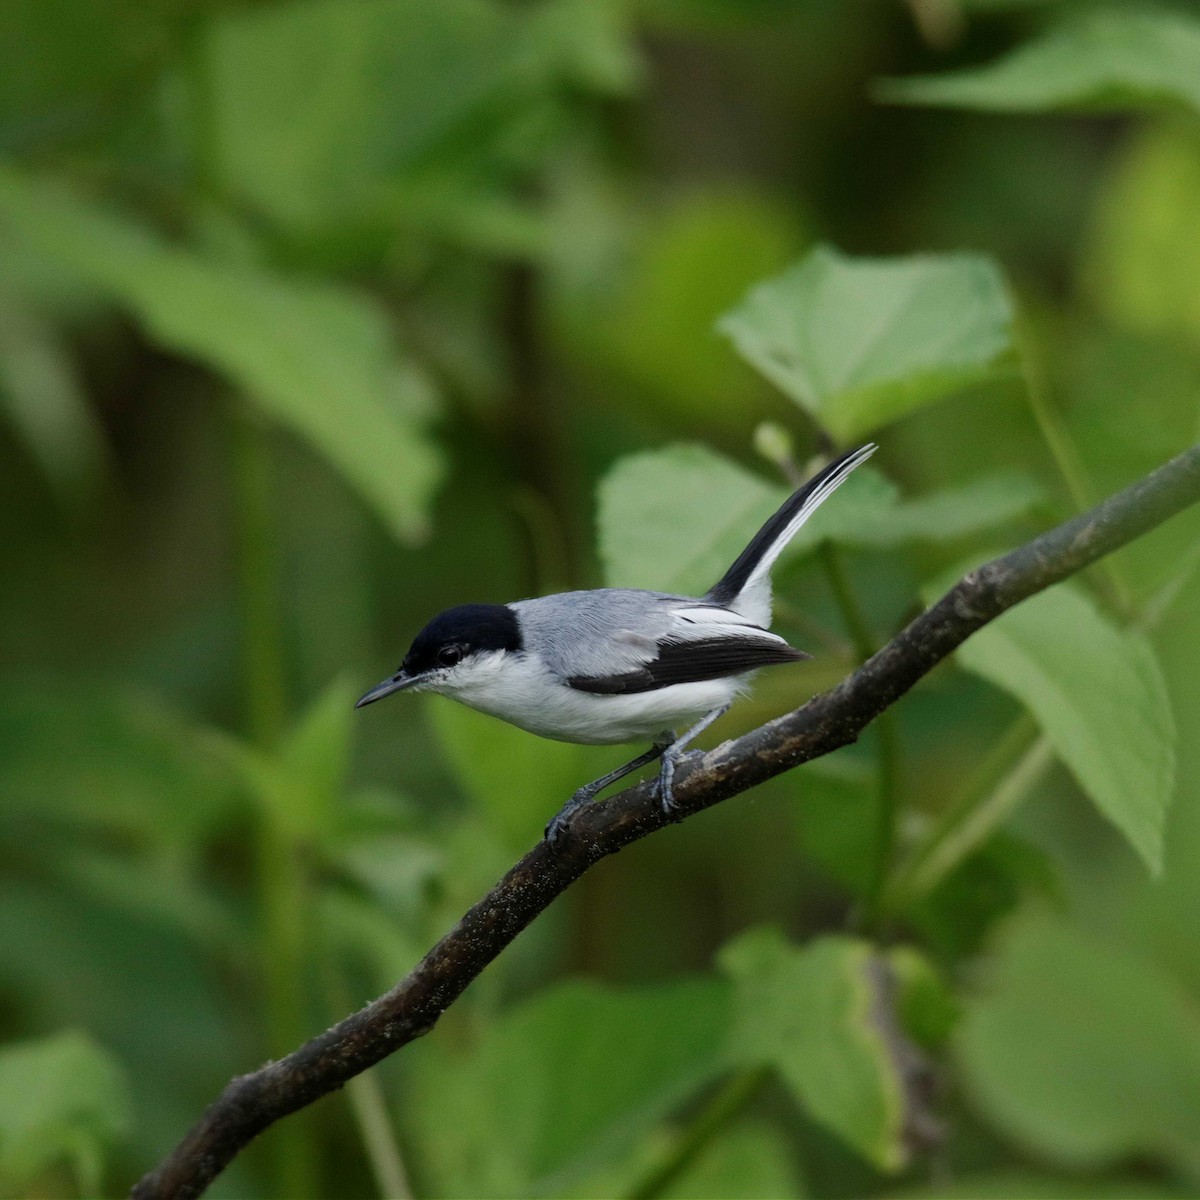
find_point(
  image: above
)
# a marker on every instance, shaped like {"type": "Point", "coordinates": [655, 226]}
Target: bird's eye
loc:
{"type": "Point", "coordinates": [448, 656]}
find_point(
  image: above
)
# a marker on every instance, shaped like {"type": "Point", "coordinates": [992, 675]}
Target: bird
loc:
{"type": "Point", "coordinates": [609, 666]}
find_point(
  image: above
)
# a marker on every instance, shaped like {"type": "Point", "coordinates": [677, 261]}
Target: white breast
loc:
{"type": "Point", "coordinates": [521, 690]}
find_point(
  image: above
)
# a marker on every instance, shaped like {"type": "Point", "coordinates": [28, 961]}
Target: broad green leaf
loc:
{"type": "Point", "coordinates": [749, 1162]}
{"type": "Point", "coordinates": [674, 519]}
{"type": "Point", "coordinates": [1117, 59]}
{"type": "Point", "coordinates": [924, 1003]}
{"type": "Point", "coordinates": [812, 1014]}
{"type": "Point", "coordinates": [63, 1098]}
{"type": "Point", "coordinates": [290, 80]}
{"type": "Point", "coordinates": [1009, 1185]}
{"type": "Point", "coordinates": [1143, 264]}
{"type": "Point", "coordinates": [1098, 693]}
{"type": "Point", "coordinates": [565, 1084]}
{"type": "Point", "coordinates": [1085, 1053]}
{"type": "Point", "coordinates": [517, 779]}
{"type": "Point", "coordinates": [438, 94]}
{"type": "Point", "coordinates": [860, 342]}
{"type": "Point", "coordinates": [316, 358]}
{"type": "Point", "coordinates": [585, 43]}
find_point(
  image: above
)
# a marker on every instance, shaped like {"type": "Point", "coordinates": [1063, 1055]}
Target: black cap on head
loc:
{"type": "Point", "coordinates": [466, 629]}
{"type": "Point", "coordinates": [447, 640]}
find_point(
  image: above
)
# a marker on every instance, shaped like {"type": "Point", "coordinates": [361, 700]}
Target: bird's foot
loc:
{"type": "Point", "coordinates": [666, 780]}
{"type": "Point", "coordinates": [557, 828]}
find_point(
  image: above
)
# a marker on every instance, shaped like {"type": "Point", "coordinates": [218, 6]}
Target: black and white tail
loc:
{"type": "Point", "coordinates": [746, 586]}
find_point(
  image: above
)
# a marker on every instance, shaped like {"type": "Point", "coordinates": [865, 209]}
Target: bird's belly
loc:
{"type": "Point", "coordinates": [566, 715]}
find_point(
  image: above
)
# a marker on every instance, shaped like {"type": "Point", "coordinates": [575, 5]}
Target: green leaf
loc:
{"type": "Point", "coordinates": [1098, 693]}
{"type": "Point", "coordinates": [812, 1013]}
{"type": "Point", "coordinates": [924, 1002]}
{"type": "Point", "coordinates": [1143, 262]}
{"type": "Point", "coordinates": [1028, 1186]}
{"type": "Point", "coordinates": [62, 1098]}
{"type": "Point", "coordinates": [944, 515]}
{"type": "Point", "coordinates": [318, 359]}
{"type": "Point", "coordinates": [1083, 1052]}
{"type": "Point", "coordinates": [1112, 60]}
{"type": "Point", "coordinates": [674, 519]}
{"type": "Point", "coordinates": [517, 779]}
{"type": "Point", "coordinates": [860, 342]}
{"type": "Point", "coordinates": [438, 94]}
{"type": "Point", "coordinates": [565, 1084]}
{"type": "Point", "coordinates": [288, 81]}
{"type": "Point", "coordinates": [747, 1163]}
{"type": "Point", "coordinates": [590, 42]}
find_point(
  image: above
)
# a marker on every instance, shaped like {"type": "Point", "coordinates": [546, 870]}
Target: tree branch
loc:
{"type": "Point", "coordinates": [250, 1103]}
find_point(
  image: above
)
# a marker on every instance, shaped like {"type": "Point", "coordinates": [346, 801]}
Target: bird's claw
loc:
{"type": "Point", "coordinates": [558, 825]}
{"type": "Point", "coordinates": [666, 779]}
{"type": "Point", "coordinates": [666, 789]}
{"type": "Point", "coordinates": [553, 833]}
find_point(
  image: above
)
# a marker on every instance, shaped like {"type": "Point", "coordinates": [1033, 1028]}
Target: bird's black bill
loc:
{"type": "Point", "coordinates": [397, 683]}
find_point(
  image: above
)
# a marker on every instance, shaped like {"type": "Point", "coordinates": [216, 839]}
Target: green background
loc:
{"type": "Point", "coordinates": [319, 316]}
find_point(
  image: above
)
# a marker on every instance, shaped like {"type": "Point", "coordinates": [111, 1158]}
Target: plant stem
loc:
{"type": "Point", "coordinates": [990, 797]}
{"type": "Point", "coordinates": [258, 580]}
{"type": "Point", "coordinates": [889, 741]}
{"type": "Point", "coordinates": [736, 1093]}
{"type": "Point", "coordinates": [279, 875]}
{"type": "Point", "coordinates": [1058, 439]}
{"type": "Point", "coordinates": [368, 1104]}
{"type": "Point", "coordinates": [370, 1111]}
{"type": "Point", "coordinates": [847, 601]}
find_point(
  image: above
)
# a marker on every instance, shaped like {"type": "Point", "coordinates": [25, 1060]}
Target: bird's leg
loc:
{"type": "Point", "coordinates": [558, 824]}
{"type": "Point", "coordinates": [674, 752]}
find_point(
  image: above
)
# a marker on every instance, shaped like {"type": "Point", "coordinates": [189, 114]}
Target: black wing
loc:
{"type": "Point", "coordinates": [691, 662]}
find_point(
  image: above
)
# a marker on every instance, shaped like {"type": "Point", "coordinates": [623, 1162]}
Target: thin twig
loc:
{"type": "Point", "coordinates": [829, 721]}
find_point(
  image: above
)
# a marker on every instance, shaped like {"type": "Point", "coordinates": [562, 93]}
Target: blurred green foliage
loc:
{"type": "Point", "coordinates": [318, 317]}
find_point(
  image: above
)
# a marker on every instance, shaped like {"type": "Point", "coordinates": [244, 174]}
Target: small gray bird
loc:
{"type": "Point", "coordinates": [617, 664]}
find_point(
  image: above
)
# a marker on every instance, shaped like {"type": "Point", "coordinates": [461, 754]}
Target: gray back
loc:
{"type": "Point", "coordinates": [603, 632]}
